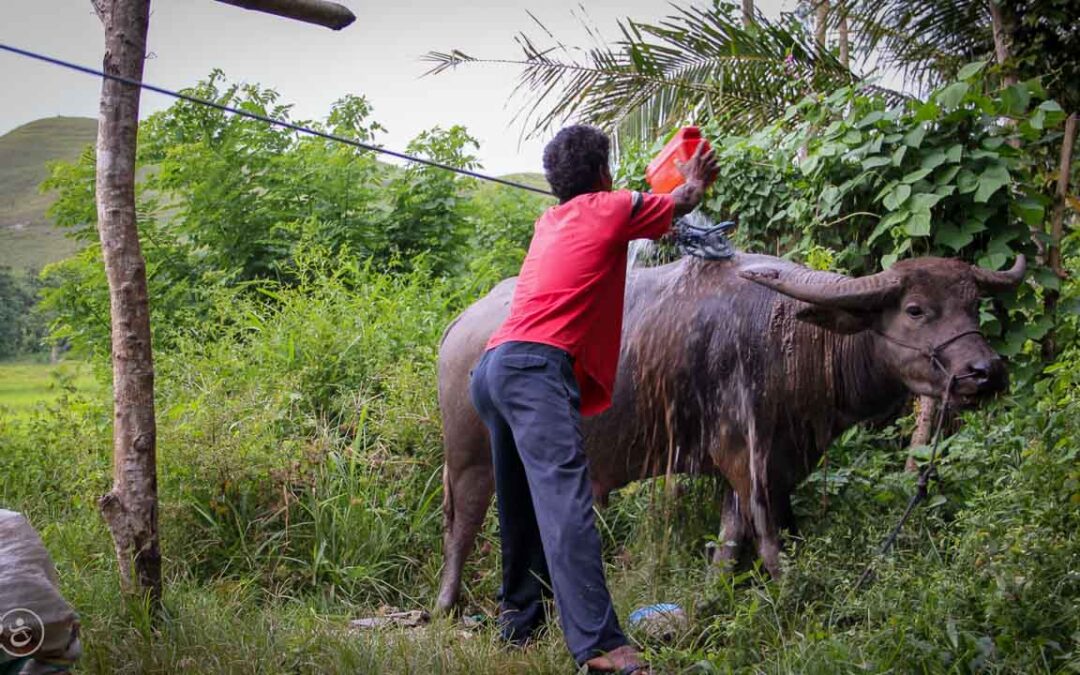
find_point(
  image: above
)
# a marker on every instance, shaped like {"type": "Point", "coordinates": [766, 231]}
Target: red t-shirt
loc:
{"type": "Point", "coordinates": [570, 290]}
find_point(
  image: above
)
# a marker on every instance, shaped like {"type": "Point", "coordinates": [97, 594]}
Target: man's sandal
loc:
{"type": "Point", "coordinates": [641, 668]}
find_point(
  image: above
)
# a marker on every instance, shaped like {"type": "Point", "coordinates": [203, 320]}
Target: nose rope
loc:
{"type": "Point", "coordinates": [933, 352]}
{"type": "Point", "coordinates": [929, 471]}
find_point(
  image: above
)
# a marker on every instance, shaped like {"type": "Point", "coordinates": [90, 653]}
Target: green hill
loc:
{"type": "Point", "coordinates": [27, 238]}
{"type": "Point", "coordinates": [531, 179]}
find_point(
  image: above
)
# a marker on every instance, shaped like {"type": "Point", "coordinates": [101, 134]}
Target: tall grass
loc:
{"type": "Point", "coordinates": [300, 486]}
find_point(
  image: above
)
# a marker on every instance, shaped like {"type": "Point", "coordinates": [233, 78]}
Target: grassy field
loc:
{"type": "Point", "coordinates": [25, 384]}
{"type": "Point", "coordinates": [27, 238]}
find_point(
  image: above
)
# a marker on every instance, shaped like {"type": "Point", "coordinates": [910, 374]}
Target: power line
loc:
{"type": "Point", "coordinates": [268, 120]}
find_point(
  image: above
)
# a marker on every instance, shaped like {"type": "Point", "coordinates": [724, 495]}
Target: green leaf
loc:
{"type": "Point", "coordinates": [898, 155]}
{"type": "Point", "coordinates": [888, 260]}
{"type": "Point", "coordinates": [952, 236]}
{"type": "Point", "coordinates": [927, 111]}
{"type": "Point", "coordinates": [1015, 99]}
{"type": "Point", "coordinates": [946, 176]}
{"type": "Point", "coordinates": [973, 226]}
{"type": "Point", "coordinates": [993, 261]}
{"type": "Point", "coordinates": [954, 154]}
{"type": "Point", "coordinates": [1047, 278]}
{"type": "Point", "coordinates": [914, 137]}
{"type": "Point", "coordinates": [951, 96]}
{"type": "Point", "coordinates": [917, 174]}
{"type": "Point", "coordinates": [990, 181]}
{"type": "Point", "coordinates": [852, 137]}
{"type": "Point", "coordinates": [918, 225]}
{"type": "Point", "coordinates": [936, 501]}
{"type": "Point", "coordinates": [1037, 119]}
{"type": "Point", "coordinates": [970, 70]}
{"type": "Point", "coordinates": [1013, 345]}
{"type": "Point", "coordinates": [875, 161]}
{"type": "Point", "coordinates": [898, 196]}
{"type": "Point", "coordinates": [885, 190]}
{"type": "Point", "coordinates": [870, 118]}
{"type": "Point", "coordinates": [933, 159]}
{"type": "Point", "coordinates": [1037, 329]}
{"type": "Point", "coordinates": [1053, 112]}
{"type": "Point", "coordinates": [1029, 210]}
{"type": "Point", "coordinates": [924, 201]}
{"type": "Point", "coordinates": [886, 224]}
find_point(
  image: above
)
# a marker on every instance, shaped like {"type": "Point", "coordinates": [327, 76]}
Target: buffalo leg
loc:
{"type": "Point", "coordinates": [466, 499]}
{"type": "Point", "coordinates": [734, 532]}
{"type": "Point", "coordinates": [782, 511]}
{"type": "Point", "coordinates": [762, 511]}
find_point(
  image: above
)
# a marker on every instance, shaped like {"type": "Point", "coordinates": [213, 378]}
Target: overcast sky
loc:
{"type": "Point", "coordinates": [378, 56]}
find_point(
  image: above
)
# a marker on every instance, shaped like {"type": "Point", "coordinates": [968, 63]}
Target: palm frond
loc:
{"type": "Point", "coordinates": [927, 41]}
{"type": "Point", "coordinates": [696, 62]}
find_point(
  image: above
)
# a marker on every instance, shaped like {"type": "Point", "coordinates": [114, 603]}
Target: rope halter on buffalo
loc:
{"type": "Point", "coordinates": [929, 471]}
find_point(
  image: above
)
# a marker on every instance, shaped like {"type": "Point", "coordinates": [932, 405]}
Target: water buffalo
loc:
{"type": "Point", "coordinates": [747, 368]}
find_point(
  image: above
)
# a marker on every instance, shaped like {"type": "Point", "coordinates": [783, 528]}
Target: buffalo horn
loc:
{"type": "Point", "coordinates": [993, 282]}
{"type": "Point", "coordinates": [829, 289]}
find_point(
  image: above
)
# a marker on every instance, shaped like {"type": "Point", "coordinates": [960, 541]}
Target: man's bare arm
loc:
{"type": "Point", "coordinates": [700, 172]}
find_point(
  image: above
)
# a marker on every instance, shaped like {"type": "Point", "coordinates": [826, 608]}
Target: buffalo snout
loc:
{"type": "Point", "coordinates": [983, 376]}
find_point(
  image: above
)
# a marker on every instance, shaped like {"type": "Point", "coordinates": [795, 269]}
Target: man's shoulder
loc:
{"type": "Point", "coordinates": [605, 205]}
{"type": "Point", "coordinates": [612, 197]}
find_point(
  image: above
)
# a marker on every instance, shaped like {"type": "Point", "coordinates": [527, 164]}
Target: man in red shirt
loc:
{"type": "Point", "coordinates": [552, 361]}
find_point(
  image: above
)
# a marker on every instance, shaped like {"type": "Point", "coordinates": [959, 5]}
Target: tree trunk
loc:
{"type": "Point", "coordinates": [747, 12]}
{"type": "Point", "coordinates": [130, 508]}
{"type": "Point", "coordinates": [1057, 219]}
{"type": "Point", "coordinates": [926, 409]}
{"type": "Point", "coordinates": [845, 44]}
{"type": "Point", "coordinates": [1057, 228]}
{"type": "Point", "coordinates": [821, 24]}
{"type": "Point", "coordinates": [1001, 43]}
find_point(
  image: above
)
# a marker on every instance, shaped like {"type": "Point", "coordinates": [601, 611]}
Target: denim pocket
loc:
{"type": "Point", "coordinates": [523, 361]}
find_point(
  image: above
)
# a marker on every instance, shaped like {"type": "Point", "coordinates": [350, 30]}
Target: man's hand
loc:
{"type": "Point", "coordinates": [700, 172]}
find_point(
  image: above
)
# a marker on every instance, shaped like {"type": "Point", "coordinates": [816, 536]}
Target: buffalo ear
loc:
{"type": "Point", "coordinates": [836, 320]}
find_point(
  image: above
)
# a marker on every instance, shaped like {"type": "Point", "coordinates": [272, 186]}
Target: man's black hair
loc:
{"type": "Point", "coordinates": [574, 160]}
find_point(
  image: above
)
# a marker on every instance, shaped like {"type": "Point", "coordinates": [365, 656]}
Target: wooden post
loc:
{"type": "Point", "coordinates": [925, 411]}
{"type": "Point", "coordinates": [321, 12]}
{"type": "Point", "coordinates": [130, 508]}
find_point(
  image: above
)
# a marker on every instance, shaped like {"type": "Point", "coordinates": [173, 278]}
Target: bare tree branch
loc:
{"type": "Point", "coordinates": [321, 12]}
{"type": "Point", "coordinates": [100, 7]}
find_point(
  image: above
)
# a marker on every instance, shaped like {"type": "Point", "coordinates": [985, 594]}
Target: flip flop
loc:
{"type": "Point", "coordinates": [628, 670]}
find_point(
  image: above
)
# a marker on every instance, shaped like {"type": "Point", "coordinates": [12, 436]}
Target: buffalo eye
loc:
{"type": "Point", "coordinates": [914, 311]}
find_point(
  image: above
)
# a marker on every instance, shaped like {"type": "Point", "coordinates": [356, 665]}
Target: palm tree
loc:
{"type": "Point", "coordinates": [926, 41]}
{"type": "Point", "coordinates": [695, 63]}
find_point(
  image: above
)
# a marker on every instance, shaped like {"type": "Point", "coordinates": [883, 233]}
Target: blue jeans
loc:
{"type": "Point", "coordinates": [528, 398]}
